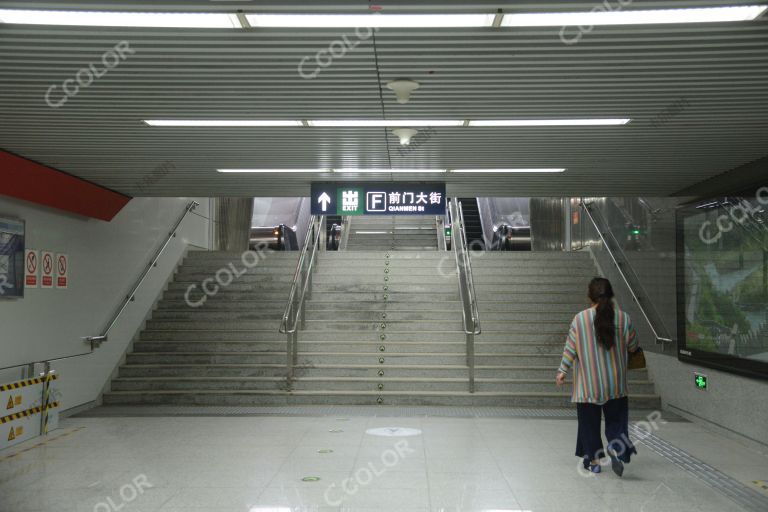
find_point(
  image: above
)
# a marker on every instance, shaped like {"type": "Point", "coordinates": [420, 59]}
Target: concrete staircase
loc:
{"type": "Point", "coordinates": [212, 353]}
{"type": "Point", "coordinates": [392, 233]}
{"type": "Point", "coordinates": [526, 302]}
{"type": "Point", "coordinates": [381, 327]}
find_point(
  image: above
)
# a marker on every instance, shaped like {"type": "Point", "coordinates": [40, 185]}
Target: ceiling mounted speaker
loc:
{"type": "Point", "coordinates": [403, 89]}
{"type": "Point", "coordinates": [405, 135]}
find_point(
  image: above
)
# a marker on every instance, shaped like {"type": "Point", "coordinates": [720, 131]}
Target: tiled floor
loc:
{"type": "Point", "coordinates": [256, 464]}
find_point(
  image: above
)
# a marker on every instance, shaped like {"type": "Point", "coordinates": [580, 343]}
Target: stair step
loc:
{"type": "Point", "coordinates": [275, 397]}
{"type": "Point", "coordinates": [228, 351]}
{"type": "Point", "coordinates": [213, 335]}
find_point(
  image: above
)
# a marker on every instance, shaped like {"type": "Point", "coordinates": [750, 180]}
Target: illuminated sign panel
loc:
{"type": "Point", "coordinates": [378, 198]}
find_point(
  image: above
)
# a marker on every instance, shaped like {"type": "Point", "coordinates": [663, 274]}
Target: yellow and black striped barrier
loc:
{"type": "Point", "coordinates": [24, 400]}
{"type": "Point", "coordinates": [29, 382]}
{"type": "Point", "coordinates": [27, 413]}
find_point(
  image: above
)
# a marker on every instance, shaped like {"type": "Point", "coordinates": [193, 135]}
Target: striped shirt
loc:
{"type": "Point", "coordinates": [599, 375]}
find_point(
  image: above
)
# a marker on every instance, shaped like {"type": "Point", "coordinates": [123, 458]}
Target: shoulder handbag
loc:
{"type": "Point", "coordinates": [636, 360]}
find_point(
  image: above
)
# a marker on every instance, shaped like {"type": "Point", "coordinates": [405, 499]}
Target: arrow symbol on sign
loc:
{"type": "Point", "coordinates": [324, 200]}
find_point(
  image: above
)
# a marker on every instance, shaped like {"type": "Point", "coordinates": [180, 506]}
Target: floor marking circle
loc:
{"type": "Point", "coordinates": [393, 432]}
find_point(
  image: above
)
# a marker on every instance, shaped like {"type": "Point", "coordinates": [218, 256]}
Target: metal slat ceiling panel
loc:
{"type": "Point", "coordinates": [719, 71]}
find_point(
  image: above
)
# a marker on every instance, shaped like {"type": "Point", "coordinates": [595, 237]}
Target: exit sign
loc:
{"type": "Point", "coordinates": [700, 380]}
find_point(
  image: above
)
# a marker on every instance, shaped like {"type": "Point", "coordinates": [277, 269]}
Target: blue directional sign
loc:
{"type": "Point", "coordinates": [407, 198]}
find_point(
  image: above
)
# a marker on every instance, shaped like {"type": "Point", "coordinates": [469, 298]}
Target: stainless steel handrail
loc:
{"type": "Point", "coordinates": [470, 277]}
{"type": "Point", "coordinates": [466, 287]}
{"type": "Point", "coordinates": [96, 341]}
{"type": "Point", "coordinates": [659, 338]}
{"type": "Point", "coordinates": [45, 361]}
{"type": "Point", "coordinates": [289, 324]}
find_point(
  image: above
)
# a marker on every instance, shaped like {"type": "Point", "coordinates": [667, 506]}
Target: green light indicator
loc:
{"type": "Point", "coordinates": [447, 231]}
{"type": "Point", "coordinates": [700, 381]}
{"type": "Point", "coordinates": [635, 231]}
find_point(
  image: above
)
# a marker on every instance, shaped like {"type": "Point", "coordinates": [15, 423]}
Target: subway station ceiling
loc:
{"type": "Point", "coordinates": [697, 96]}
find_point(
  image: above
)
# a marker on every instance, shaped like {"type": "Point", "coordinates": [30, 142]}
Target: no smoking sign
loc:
{"type": "Point", "coordinates": [46, 264]}
{"type": "Point", "coordinates": [31, 268]}
{"type": "Point", "coordinates": [62, 270]}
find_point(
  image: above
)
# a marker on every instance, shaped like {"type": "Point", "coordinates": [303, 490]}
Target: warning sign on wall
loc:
{"type": "Point", "coordinates": [62, 270]}
{"type": "Point", "coordinates": [31, 268]}
{"type": "Point", "coordinates": [47, 269]}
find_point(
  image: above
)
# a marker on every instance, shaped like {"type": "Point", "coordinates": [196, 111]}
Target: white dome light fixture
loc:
{"type": "Point", "coordinates": [403, 89]}
{"type": "Point", "coordinates": [405, 135]}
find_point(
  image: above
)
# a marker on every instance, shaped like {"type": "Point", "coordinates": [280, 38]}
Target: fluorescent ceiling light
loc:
{"type": "Point", "coordinates": [549, 122]}
{"type": "Point", "coordinates": [381, 123]}
{"type": "Point", "coordinates": [385, 171]}
{"type": "Point", "coordinates": [222, 122]}
{"type": "Point", "coordinates": [274, 171]}
{"type": "Point", "coordinates": [507, 170]}
{"type": "Point", "coordinates": [373, 20]}
{"type": "Point", "coordinates": [119, 19]}
{"type": "Point", "coordinates": [634, 17]}
{"type": "Point", "coordinates": [376, 123]}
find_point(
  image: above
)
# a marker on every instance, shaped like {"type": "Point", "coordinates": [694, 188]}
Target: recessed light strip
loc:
{"type": "Point", "coordinates": [273, 171]}
{"type": "Point", "coordinates": [634, 17]}
{"type": "Point", "coordinates": [379, 123]}
{"type": "Point", "coordinates": [373, 20]}
{"type": "Point", "coordinates": [394, 171]}
{"type": "Point", "coordinates": [234, 123]}
{"type": "Point", "coordinates": [550, 122]}
{"type": "Point", "coordinates": [377, 20]}
{"type": "Point", "coordinates": [387, 171]}
{"type": "Point", "coordinates": [504, 171]}
{"type": "Point", "coordinates": [119, 19]}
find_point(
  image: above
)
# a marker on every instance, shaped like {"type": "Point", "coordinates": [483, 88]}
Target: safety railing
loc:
{"type": "Point", "coordinates": [470, 316]}
{"type": "Point", "coordinates": [624, 269]}
{"type": "Point", "coordinates": [45, 376]}
{"type": "Point", "coordinates": [96, 341]}
{"type": "Point", "coordinates": [301, 289]}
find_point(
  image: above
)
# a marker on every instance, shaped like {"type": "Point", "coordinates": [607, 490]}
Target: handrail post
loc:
{"type": "Point", "coordinates": [294, 317]}
{"type": "Point", "coordinates": [45, 398]}
{"type": "Point", "coordinates": [470, 316]}
{"type": "Point", "coordinates": [295, 348]}
{"type": "Point", "coordinates": [471, 361]}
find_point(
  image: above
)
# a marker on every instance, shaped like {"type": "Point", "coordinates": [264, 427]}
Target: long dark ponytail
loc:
{"type": "Point", "coordinates": [601, 293]}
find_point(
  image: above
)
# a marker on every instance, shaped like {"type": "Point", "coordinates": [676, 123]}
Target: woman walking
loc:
{"type": "Point", "coordinates": [597, 350]}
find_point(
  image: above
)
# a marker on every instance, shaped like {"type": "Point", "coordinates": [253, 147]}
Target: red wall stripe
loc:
{"type": "Point", "coordinates": [30, 181]}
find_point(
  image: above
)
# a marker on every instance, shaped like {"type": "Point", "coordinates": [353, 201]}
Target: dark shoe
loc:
{"type": "Point", "coordinates": [592, 468]}
{"type": "Point", "coordinates": [616, 464]}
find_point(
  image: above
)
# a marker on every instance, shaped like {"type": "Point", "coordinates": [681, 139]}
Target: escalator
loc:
{"type": "Point", "coordinates": [332, 232]}
{"type": "Point", "coordinates": [473, 227]}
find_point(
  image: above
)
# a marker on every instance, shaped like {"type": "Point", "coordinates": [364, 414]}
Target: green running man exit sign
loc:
{"type": "Point", "coordinates": [700, 380]}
